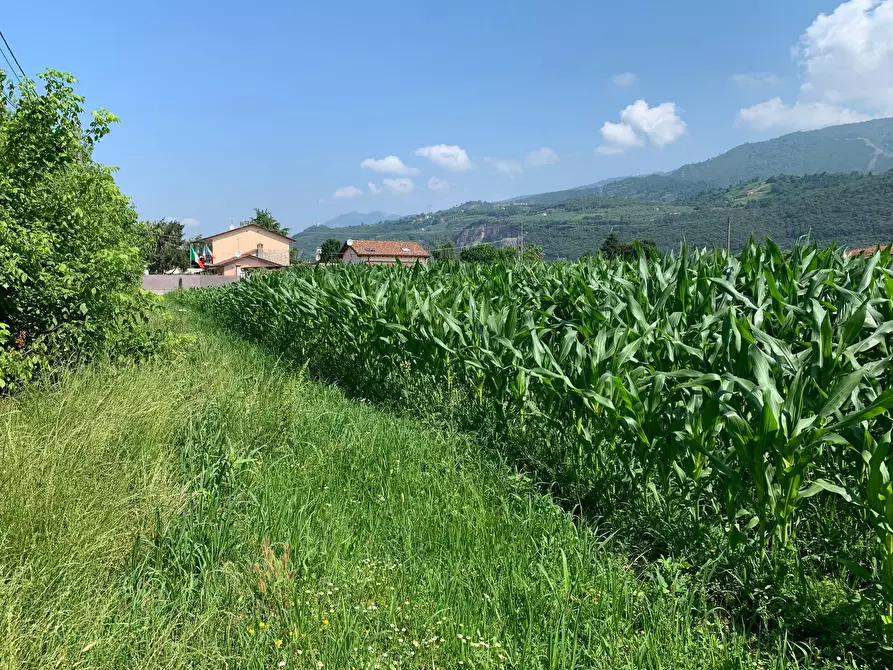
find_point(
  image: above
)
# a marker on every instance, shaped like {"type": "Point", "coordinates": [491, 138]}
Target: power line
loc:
{"type": "Point", "coordinates": [12, 53]}
{"type": "Point", "coordinates": [11, 68]}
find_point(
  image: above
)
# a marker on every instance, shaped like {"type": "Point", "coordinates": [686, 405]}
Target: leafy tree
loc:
{"type": "Point", "coordinates": [612, 247]}
{"type": "Point", "coordinates": [480, 253]}
{"type": "Point", "coordinates": [264, 219]}
{"type": "Point", "coordinates": [533, 253]}
{"type": "Point", "coordinates": [487, 253]}
{"type": "Point", "coordinates": [71, 254]}
{"type": "Point", "coordinates": [165, 247]}
{"type": "Point", "coordinates": [330, 249]}
{"type": "Point", "coordinates": [445, 251]}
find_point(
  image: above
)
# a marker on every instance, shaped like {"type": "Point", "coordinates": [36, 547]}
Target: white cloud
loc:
{"type": "Point", "coordinates": [402, 185]}
{"type": "Point", "coordinates": [751, 79]}
{"type": "Point", "coordinates": [437, 184]}
{"type": "Point", "coordinates": [541, 157]}
{"type": "Point", "coordinates": [506, 167]}
{"type": "Point", "coordinates": [621, 135]}
{"type": "Point", "coordinates": [660, 124]}
{"type": "Point", "coordinates": [448, 156]}
{"type": "Point", "coordinates": [373, 189]}
{"type": "Point", "coordinates": [799, 116]}
{"type": "Point", "coordinates": [187, 222]}
{"type": "Point", "coordinates": [624, 79]}
{"type": "Point", "coordinates": [347, 192]}
{"type": "Point", "coordinates": [847, 70]}
{"type": "Point", "coordinates": [388, 165]}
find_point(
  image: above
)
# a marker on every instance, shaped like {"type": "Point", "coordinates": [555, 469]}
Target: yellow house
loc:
{"type": "Point", "coordinates": [248, 246]}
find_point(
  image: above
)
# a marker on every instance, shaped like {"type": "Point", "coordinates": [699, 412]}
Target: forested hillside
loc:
{"type": "Point", "coordinates": [855, 147]}
{"type": "Point", "coordinates": [849, 209]}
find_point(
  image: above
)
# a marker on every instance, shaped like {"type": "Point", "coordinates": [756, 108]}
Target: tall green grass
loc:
{"type": "Point", "coordinates": [218, 510]}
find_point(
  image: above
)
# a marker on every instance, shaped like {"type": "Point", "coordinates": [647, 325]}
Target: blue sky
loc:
{"type": "Point", "coordinates": [226, 106]}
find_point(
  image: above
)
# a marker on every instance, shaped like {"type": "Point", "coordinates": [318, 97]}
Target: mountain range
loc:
{"type": "Point", "coordinates": [847, 200]}
{"type": "Point", "coordinates": [355, 219]}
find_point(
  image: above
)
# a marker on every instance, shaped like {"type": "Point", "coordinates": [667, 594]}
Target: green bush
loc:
{"type": "Point", "coordinates": [70, 259]}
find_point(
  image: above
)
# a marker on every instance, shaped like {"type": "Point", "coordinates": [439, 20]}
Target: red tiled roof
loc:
{"type": "Point", "coordinates": [243, 256]}
{"type": "Point", "coordinates": [388, 248]}
{"type": "Point", "coordinates": [868, 251]}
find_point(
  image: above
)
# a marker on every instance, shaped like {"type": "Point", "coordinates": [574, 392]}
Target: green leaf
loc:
{"type": "Point", "coordinates": [841, 393]}
{"type": "Point", "coordinates": [820, 485]}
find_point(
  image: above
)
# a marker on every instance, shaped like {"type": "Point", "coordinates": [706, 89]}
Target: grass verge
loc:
{"type": "Point", "coordinates": [218, 510]}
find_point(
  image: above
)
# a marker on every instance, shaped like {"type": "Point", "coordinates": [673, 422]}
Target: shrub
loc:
{"type": "Point", "coordinates": [70, 259]}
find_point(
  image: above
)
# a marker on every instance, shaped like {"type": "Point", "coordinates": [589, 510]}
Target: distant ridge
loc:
{"type": "Point", "coordinates": [357, 219]}
{"type": "Point", "coordinates": [833, 184]}
{"type": "Point", "coordinates": [855, 147]}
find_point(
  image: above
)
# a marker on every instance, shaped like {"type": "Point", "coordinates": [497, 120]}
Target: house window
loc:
{"type": "Point", "coordinates": [406, 249]}
{"type": "Point", "coordinates": [260, 247]}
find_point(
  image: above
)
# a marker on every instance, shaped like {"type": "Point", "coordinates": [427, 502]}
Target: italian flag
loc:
{"type": "Point", "coordinates": [195, 258]}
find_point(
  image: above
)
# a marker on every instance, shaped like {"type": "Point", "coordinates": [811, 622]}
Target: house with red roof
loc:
{"type": "Point", "coordinates": [382, 252]}
{"type": "Point", "coordinates": [869, 251]}
{"type": "Point", "coordinates": [248, 247]}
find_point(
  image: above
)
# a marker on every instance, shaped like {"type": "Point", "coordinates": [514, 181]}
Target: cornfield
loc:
{"type": "Point", "coordinates": [745, 394]}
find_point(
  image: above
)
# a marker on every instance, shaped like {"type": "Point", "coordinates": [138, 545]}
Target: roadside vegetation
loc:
{"type": "Point", "coordinates": [70, 247]}
{"type": "Point", "coordinates": [219, 510]}
{"type": "Point", "coordinates": [727, 418]}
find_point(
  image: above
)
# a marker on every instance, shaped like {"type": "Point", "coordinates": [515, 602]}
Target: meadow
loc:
{"type": "Point", "coordinates": [219, 509]}
{"type": "Point", "coordinates": [725, 420]}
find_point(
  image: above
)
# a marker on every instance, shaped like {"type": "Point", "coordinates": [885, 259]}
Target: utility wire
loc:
{"type": "Point", "coordinates": [12, 53]}
{"type": "Point", "coordinates": [11, 68]}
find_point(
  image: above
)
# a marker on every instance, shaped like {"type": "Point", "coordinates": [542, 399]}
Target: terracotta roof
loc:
{"type": "Point", "coordinates": [250, 225]}
{"type": "Point", "coordinates": [390, 248]}
{"type": "Point", "coordinates": [868, 251]}
{"type": "Point", "coordinates": [242, 257]}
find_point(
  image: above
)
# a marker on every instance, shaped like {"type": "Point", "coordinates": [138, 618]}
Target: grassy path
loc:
{"type": "Point", "coordinates": [220, 511]}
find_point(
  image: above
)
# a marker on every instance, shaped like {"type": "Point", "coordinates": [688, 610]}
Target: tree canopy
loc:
{"type": "Point", "coordinates": [264, 219]}
{"type": "Point", "coordinates": [330, 249]}
{"type": "Point", "coordinates": [445, 251]}
{"type": "Point", "coordinates": [71, 249]}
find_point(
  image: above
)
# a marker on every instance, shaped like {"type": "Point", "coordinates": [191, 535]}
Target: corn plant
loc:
{"type": "Point", "coordinates": [735, 389]}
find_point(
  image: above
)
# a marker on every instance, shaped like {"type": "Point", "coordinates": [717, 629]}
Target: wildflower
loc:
{"type": "Point", "coordinates": [251, 631]}
{"type": "Point", "coordinates": [261, 624]}
{"type": "Point", "coordinates": [280, 664]}
{"type": "Point", "coordinates": [299, 652]}
{"type": "Point", "coordinates": [279, 643]}
{"type": "Point", "coordinates": [325, 622]}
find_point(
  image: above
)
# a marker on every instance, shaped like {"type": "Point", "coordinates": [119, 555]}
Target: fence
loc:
{"type": "Point", "coordinates": [165, 283]}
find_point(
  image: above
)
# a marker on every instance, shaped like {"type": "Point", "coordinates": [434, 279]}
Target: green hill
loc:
{"type": "Point", "coordinates": [855, 147]}
{"type": "Point", "coordinates": [849, 209]}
